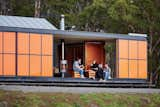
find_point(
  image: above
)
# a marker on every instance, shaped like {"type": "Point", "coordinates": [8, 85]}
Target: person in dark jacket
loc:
{"type": "Point", "coordinates": [99, 73]}
{"type": "Point", "coordinates": [94, 66]}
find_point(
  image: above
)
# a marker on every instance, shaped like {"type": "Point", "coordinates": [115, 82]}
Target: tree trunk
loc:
{"type": "Point", "coordinates": [37, 8]}
{"type": "Point", "coordinates": [150, 55]}
{"type": "Point", "coordinates": [4, 9]}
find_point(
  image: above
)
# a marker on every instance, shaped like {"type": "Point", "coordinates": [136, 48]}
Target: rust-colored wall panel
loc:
{"type": "Point", "coordinates": [142, 50]}
{"type": "Point", "coordinates": [35, 65]}
{"type": "Point", "coordinates": [133, 69]}
{"type": "Point", "coordinates": [47, 66]}
{"type": "Point", "coordinates": [1, 39]}
{"type": "Point", "coordinates": [123, 48]}
{"type": "Point", "coordinates": [9, 65]}
{"type": "Point", "coordinates": [133, 49]}
{"type": "Point", "coordinates": [23, 65]}
{"type": "Point", "coordinates": [94, 51]}
{"type": "Point", "coordinates": [47, 44]}
{"type": "Point", "coordinates": [23, 43]}
{"type": "Point", "coordinates": [142, 69]}
{"type": "Point", "coordinates": [1, 69]}
{"type": "Point", "coordinates": [35, 44]}
{"type": "Point", "coordinates": [123, 68]}
{"type": "Point", "coordinates": [9, 42]}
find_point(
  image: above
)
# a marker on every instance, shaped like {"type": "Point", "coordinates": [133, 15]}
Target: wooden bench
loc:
{"type": "Point", "coordinates": [75, 74]}
{"type": "Point", "coordinates": [90, 73]}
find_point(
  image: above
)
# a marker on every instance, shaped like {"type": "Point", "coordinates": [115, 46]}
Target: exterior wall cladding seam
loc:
{"type": "Point", "coordinates": [16, 59]}
{"type": "Point", "coordinates": [134, 62]}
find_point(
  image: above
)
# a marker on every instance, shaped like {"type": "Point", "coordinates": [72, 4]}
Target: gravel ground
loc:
{"type": "Point", "coordinates": [80, 90]}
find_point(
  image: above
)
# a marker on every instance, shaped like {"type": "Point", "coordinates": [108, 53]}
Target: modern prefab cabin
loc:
{"type": "Point", "coordinates": [32, 47]}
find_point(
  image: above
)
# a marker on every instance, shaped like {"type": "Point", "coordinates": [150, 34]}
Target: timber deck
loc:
{"type": "Point", "coordinates": [75, 82]}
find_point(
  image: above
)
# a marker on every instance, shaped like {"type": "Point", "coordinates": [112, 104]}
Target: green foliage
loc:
{"type": "Point", "coordinates": [123, 10]}
{"type": "Point", "coordinates": [20, 99]}
{"type": "Point", "coordinates": [22, 7]}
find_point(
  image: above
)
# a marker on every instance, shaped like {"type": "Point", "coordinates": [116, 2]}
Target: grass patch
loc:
{"type": "Point", "coordinates": [20, 99]}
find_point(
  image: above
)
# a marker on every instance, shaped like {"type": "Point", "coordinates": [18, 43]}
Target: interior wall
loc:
{"type": "Point", "coordinates": [72, 51]}
{"type": "Point", "coordinates": [94, 51]}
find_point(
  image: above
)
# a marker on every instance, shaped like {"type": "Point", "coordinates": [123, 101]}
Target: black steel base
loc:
{"type": "Point", "coordinates": [75, 82]}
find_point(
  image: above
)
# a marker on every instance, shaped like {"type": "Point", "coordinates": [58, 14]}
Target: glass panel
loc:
{"type": "Point", "coordinates": [142, 69]}
{"type": "Point", "coordinates": [35, 65]}
{"type": "Point", "coordinates": [1, 39]}
{"type": "Point", "coordinates": [23, 43]}
{"type": "Point", "coordinates": [142, 50]}
{"type": "Point", "coordinates": [23, 65]}
{"type": "Point", "coordinates": [133, 49]}
{"type": "Point", "coordinates": [47, 66]}
{"type": "Point", "coordinates": [35, 44]}
{"type": "Point", "coordinates": [1, 69]}
{"type": "Point", "coordinates": [123, 48]}
{"type": "Point", "coordinates": [9, 42]}
{"type": "Point", "coordinates": [123, 68]}
{"type": "Point", "coordinates": [47, 44]}
{"type": "Point", "coordinates": [9, 64]}
{"type": "Point", "coordinates": [133, 69]}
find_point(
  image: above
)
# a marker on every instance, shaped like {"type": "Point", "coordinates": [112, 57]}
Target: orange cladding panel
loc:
{"type": "Point", "coordinates": [123, 68]}
{"type": "Point", "coordinates": [123, 48]}
{"type": "Point", "coordinates": [142, 49]}
{"type": "Point", "coordinates": [94, 51]}
{"type": "Point", "coordinates": [9, 42]}
{"type": "Point", "coordinates": [133, 69]}
{"type": "Point", "coordinates": [9, 64]}
{"type": "Point", "coordinates": [23, 43]}
{"type": "Point", "coordinates": [23, 65]}
{"type": "Point", "coordinates": [133, 49]}
{"type": "Point", "coordinates": [35, 65]}
{"type": "Point", "coordinates": [1, 69]}
{"type": "Point", "coordinates": [1, 39]}
{"type": "Point", "coordinates": [47, 44]}
{"type": "Point", "coordinates": [35, 44]}
{"type": "Point", "coordinates": [142, 69]}
{"type": "Point", "coordinates": [47, 66]}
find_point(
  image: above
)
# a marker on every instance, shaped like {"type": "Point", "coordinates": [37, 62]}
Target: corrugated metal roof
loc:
{"type": "Point", "coordinates": [25, 22]}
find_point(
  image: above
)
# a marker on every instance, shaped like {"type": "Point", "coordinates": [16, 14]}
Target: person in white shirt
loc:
{"type": "Point", "coordinates": [107, 72]}
{"type": "Point", "coordinates": [77, 67]}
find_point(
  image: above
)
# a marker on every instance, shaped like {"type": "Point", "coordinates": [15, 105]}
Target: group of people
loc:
{"type": "Point", "coordinates": [101, 73]}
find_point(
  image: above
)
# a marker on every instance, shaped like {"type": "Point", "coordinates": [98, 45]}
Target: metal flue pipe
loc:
{"type": "Point", "coordinates": [62, 23]}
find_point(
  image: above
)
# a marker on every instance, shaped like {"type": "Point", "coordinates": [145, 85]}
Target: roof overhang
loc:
{"type": "Point", "coordinates": [92, 35]}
